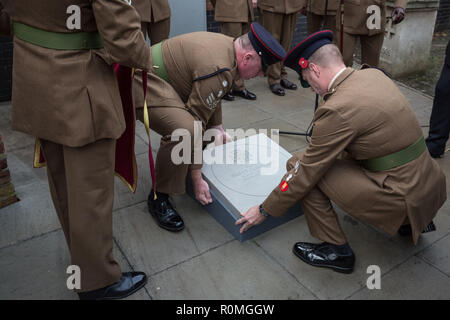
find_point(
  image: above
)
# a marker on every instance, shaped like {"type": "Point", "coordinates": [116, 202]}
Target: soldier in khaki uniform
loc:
{"type": "Point", "coordinates": [367, 154]}
{"type": "Point", "coordinates": [65, 93]}
{"type": "Point", "coordinates": [235, 17]}
{"type": "Point", "coordinates": [315, 13]}
{"type": "Point", "coordinates": [155, 18]}
{"type": "Point", "coordinates": [279, 17]}
{"type": "Point", "coordinates": [355, 25]}
{"type": "Point", "coordinates": [192, 72]}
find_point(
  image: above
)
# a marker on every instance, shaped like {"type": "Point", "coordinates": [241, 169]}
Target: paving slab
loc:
{"type": "Point", "coordinates": [234, 271]}
{"type": "Point", "coordinates": [153, 249]}
{"type": "Point", "coordinates": [36, 269]}
{"type": "Point", "coordinates": [438, 255]}
{"type": "Point", "coordinates": [414, 279]}
{"type": "Point", "coordinates": [32, 216]}
{"type": "Point", "coordinates": [12, 139]}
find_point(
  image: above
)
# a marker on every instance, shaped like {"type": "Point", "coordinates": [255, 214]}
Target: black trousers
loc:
{"type": "Point", "coordinates": [440, 114]}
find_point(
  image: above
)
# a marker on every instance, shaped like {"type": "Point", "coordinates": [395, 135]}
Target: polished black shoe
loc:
{"type": "Point", "coordinates": [162, 211]}
{"type": "Point", "coordinates": [288, 85]}
{"type": "Point", "coordinates": [228, 96]}
{"type": "Point", "coordinates": [129, 283]}
{"type": "Point", "coordinates": [277, 89]}
{"type": "Point", "coordinates": [406, 230]}
{"type": "Point", "coordinates": [339, 258]}
{"type": "Point", "coordinates": [245, 94]}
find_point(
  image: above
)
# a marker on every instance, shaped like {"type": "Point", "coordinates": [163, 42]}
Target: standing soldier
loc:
{"type": "Point", "coordinates": [65, 93]}
{"type": "Point", "coordinates": [192, 72]}
{"type": "Point", "coordinates": [155, 18]}
{"type": "Point", "coordinates": [280, 18]}
{"type": "Point", "coordinates": [315, 13]}
{"type": "Point", "coordinates": [366, 19]}
{"type": "Point", "coordinates": [235, 17]}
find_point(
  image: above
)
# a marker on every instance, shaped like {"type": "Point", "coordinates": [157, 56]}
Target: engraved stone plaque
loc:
{"type": "Point", "coordinates": [241, 174]}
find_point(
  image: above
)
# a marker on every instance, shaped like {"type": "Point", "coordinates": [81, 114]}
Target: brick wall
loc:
{"type": "Point", "coordinates": [7, 192]}
{"type": "Point", "coordinates": [443, 16]}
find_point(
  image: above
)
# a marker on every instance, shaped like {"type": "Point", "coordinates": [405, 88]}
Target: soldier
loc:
{"type": "Point", "coordinates": [356, 16]}
{"type": "Point", "coordinates": [65, 93]}
{"type": "Point", "coordinates": [367, 154]}
{"type": "Point", "coordinates": [192, 74]}
{"type": "Point", "coordinates": [440, 114]}
{"type": "Point", "coordinates": [280, 18]}
{"type": "Point", "coordinates": [155, 18]}
{"type": "Point", "coordinates": [235, 17]}
{"type": "Point", "coordinates": [315, 12]}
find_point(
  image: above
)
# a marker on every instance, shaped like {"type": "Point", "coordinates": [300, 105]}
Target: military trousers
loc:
{"type": "Point", "coordinates": [314, 23]}
{"type": "Point", "coordinates": [234, 30]}
{"type": "Point", "coordinates": [175, 125]}
{"type": "Point", "coordinates": [370, 48]}
{"type": "Point", "coordinates": [282, 27]}
{"type": "Point", "coordinates": [346, 185]}
{"type": "Point", "coordinates": [81, 181]}
{"type": "Point", "coordinates": [440, 114]}
{"type": "Point", "coordinates": [156, 31]}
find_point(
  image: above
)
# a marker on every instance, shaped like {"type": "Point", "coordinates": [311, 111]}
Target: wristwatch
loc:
{"type": "Point", "coordinates": [262, 211]}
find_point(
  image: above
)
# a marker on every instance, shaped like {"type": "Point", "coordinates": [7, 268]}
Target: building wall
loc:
{"type": "Point", "coordinates": [443, 16]}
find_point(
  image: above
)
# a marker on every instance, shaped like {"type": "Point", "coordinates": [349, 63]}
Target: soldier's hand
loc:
{"type": "Point", "coordinates": [255, 3]}
{"type": "Point", "coordinates": [398, 15]}
{"type": "Point", "coordinates": [202, 194]}
{"type": "Point", "coordinates": [251, 218]}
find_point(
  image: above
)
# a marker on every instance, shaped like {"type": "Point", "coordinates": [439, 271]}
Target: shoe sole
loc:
{"type": "Point", "coordinates": [334, 268]}
{"type": "Point", "coordinates": [164, 227]}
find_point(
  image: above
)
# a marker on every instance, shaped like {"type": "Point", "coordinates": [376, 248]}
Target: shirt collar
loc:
{"type": "Point", "coordinates": [335, 77]}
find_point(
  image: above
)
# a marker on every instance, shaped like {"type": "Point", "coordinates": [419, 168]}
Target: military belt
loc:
{"type": "Point", "coordinates": [158, 62]}
{"type": "Point", "coordinates": [396, 159]}
{"type": "Point", "coordinates": [58, 40]}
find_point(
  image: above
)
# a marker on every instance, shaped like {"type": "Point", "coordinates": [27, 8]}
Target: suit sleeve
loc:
{"type": "Point", "coordinates": [331, 135]}
{"type": "Point", "coordinates": [120, 28]}
{"type": "Point", "coordinates": [206, 95]}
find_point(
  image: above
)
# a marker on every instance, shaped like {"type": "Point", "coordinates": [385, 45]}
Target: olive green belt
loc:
{"type": "Point", "coordinates": [158, 62]}
{"type": "Point", "coordinates": [57, 40]}
{"type": "Point", "coordinates": [396, 159]}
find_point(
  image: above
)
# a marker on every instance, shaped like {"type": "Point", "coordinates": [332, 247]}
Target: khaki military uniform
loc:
{"type": "Point", "coordinates": [155, 18]}
{"type": "Point", "coordinates": [279, 17]}
{"type": "Point", "coordinates": [366, 122]}
{"type": "Point", "coordinates": [355, 25]}
{"type": "Point", "coordinates": [235, 17]}
{"type": "Point", "coordinates": [69, 99]}
{"type": "Point", "coordinates": [201, 67]}
{"type": "Point", "coordinates": [316, 14]}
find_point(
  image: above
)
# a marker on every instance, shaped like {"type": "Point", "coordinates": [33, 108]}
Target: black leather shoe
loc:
{"type": "Point", "coordinates": [162, 211]}
{"type": "Point", "coordinates": [129, 283]}
{"type": "Point", "coordinates": [245, 94]}
{"type": "Point", "coordinates": [228, 96]}
{"type": "Point", "coordinates": [288, 85]}
{"type": "Point", "coordinates": [406, 231]}
{"type": "Point", "coordinates": [277, 89]}
{"type": "Point", "coordinates": [326, 255]}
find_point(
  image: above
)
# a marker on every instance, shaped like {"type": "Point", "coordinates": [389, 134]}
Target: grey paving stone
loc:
{"type": "Point", "coordinates": [153, 249]}
{"type": "Point", "coordinates": [236, 114]}
{"type": "Point", "coordinates": [249, 274]}
{"type": "Point", "coordinates": [20, 165]}
{"type": "Point", "coordinates": [36, 269]}
{"type": "Point", "coordinates": [438, 255]}
{"type": "Point", "coordinates": [414, 279]}
{"type": "Point", "coordinates": [32, 216]}
{"type": "Point", "coordinates": [12, 139]}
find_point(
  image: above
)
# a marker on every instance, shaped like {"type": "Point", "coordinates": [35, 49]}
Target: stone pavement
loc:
{"type": "Point", "coordinates": [204, 261]}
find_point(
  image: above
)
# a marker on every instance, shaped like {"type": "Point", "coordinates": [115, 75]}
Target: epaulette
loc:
{"type": "Point", "coordinates": [211, 74]}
